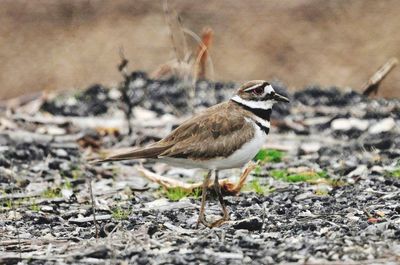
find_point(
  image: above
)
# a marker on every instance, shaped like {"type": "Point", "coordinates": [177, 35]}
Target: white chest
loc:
{"type": "Point", "coordinates": [243, 155]}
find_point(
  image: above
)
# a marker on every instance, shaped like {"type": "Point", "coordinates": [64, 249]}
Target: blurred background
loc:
{"type": "Point", "coordinates": [67, 44]}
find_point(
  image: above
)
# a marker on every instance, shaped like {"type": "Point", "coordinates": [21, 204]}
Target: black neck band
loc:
{"type": "Point", "coordinates": [262, 127]}
{"type": "Point", "coordinates": [264, 114]}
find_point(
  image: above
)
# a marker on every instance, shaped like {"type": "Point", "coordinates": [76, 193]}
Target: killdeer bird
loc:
{"type": "Point", "coordinates": [224, 136]}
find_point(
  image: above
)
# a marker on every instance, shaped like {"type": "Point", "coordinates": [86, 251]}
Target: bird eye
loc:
{"type": "Point", "coordinates": [258, 91]}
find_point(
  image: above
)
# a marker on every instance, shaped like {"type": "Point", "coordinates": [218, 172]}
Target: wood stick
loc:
{"type": "Point", "coordinates": [372, 85]}
{"type": "Point", "coordinates": [202, 53]}
{"type": "Point", "coordinates": [227, 186]}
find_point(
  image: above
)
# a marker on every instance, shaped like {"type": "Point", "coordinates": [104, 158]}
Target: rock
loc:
{"type": "Point", "coordinates": [343, 124]}
{"type": "Point", "coordinates": [6, 175]}
{"type": "Point", "coordinates": [251, 224]}
{"type": "Point", "coordinates": [382, 144]}
{"type": "Point", "coordinates": [384, 125]}
{"type": "Point", "coordinates": [310, 147]}
{"type": "Point", "coordinates": [304, 196]}
{"type": "Point", "coordinates": [144, 114]}
{"type": "Point", "coordinates": [51, 130]}
{"type": "Point", "coordinates": [46, 208]}
{"type": "Point", "coordinates": [360, 171]}
{"type": "Point", "coordinates": [378, 169]}
{"type": "Point", "coordinates": [165, 205]}
{"type": "Point", "coordinates": [61, 153]}
{"type": "Point", "coordinates": [317, 120]}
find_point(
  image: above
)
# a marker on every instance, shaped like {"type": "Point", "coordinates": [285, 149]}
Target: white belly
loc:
{"type": "Point", "coordinates": [238, 159]}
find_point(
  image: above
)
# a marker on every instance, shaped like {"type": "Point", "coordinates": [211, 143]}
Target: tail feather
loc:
{"type": "Point", "coordinates": [149, 152]}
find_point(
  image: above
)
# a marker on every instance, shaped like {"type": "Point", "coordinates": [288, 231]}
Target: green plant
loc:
{"type": "Point", "coordinates": [309, 176]}
{"type": "Point", "coordinates": [257, 187]}
{"type": "Point", "coordinates": [196, 193]}
{"type": "Point", "coordinates": [321, 192]}
{"type": "Point", "coordinates": [51, 193]}
{"type": "Point", "coordinates": [257, 170]}
{"type": "Point", "coordinates": [76, 173]}
{"type": "Point", "coordinates": [269, 155]}
{"type": "Point", "coordinates": [8, 204]}
{"type": "Point", "coordinates": [395, 173]}
{"type": "Point", "coordinates": [175, 194]}
{"type": "Point", "coordinates": [67, 184]}
{"type": "Point", "coordinates": [34, 207]}
{"type": "Point", "coordinates": [119, 213]}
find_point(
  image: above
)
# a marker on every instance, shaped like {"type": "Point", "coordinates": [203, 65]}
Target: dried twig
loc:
{"type": "Point", "coordinates": [16, 225]}
{"type": "Point", "coordinates": [123, 69]}
{"type": "Point", "coordinates": [123, 65]}
{"type": "Point", "coordinates": [202, 53]}
{"type": "Point", "coordinates": [227, 187]}
{"type": "Point", "coordinates": [372, 85]}
{"type": "Point", "coordinates": [93, 206]}
{"type": "Point", "coordinates": [198, 39]}
{"type": "Point", "coordinates": [171, 34]}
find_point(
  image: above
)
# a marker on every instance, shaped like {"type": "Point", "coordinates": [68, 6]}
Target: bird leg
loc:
{"type": "Point", "coordinates": [202, 218]}
{"type": "Point", "coordinates": [217, 189]}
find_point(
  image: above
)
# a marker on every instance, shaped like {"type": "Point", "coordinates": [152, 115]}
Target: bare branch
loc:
{"type": "Point", "coordinates": [372, 85]}
{"type": "Point", "coordinates": [93, 206]}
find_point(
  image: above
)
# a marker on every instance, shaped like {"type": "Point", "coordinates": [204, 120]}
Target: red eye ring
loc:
{"type": "Point", "coordinates": [258, 91]}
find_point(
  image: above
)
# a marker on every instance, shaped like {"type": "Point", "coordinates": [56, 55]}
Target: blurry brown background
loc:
{"type": "Point", "coordinates": [65, 44]}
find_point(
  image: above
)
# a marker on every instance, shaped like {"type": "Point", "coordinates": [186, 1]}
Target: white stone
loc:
{"type": "Point", "coordinates": [343, 124]}
{"type": "Point", "coordinates": [311, 147]}
{"type": "Point", "coordinates": [384, 125]}
{"type": "Point", "coordinates": [61, 153]}
{"type": "Point", "coordinates": [143, 114]}
{"type": "Point", "coordinates": [360, 171]}
{"type": "Point", "coordinates": [46, 208]}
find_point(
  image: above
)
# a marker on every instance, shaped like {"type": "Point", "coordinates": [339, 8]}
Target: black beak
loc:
{"type": "Point", "coordinates": [280, 98]}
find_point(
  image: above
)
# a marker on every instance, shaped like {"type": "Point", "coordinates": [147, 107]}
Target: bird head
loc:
{"type": "Point", "coordinates": [258, 94]}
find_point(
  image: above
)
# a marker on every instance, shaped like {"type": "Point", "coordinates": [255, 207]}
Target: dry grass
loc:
{"type": "Point", "coordinates": [67, 44]}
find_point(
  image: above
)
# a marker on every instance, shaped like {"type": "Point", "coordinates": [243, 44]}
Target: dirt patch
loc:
{"type": "Point", "coordinates": [72, 44]}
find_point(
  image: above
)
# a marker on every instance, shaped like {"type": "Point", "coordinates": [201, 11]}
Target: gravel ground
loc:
{"type": "Point", "coordinates": [346, 210]}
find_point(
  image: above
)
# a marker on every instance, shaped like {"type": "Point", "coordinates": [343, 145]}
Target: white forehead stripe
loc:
{"type": "Point", "coordinates": [254, 104]}
{"type": "Point", "coordinates": [253, 87]}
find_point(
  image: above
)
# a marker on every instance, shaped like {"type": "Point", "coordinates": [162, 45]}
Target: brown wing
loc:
{"type": "Point", "coordinates": [217, 132]}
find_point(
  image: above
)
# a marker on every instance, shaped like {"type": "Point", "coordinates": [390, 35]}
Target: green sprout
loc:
{"type": "Point", "coordinates": [321, 192]}
{"type": "Point", "coordinates": [34, 207]}
{"type": "Point", "coordinates": [67, 184]}
{"type": "Point", "coordinates": [196, 193]}
{"type": "Point", "coordinates": [395, 173]}
{"type": "Point", "coordinates": [9, 204]}
{"type": "Point", "coordinates": [257, 170]}
{"type": "Point", "coordinates": [310, 176]}
{"type": "Point", "coordinates": [119, 213]}
{"type": "Point", "coordinates": [175, 194]}
{"type": "Point", "coordinates": [269, 155]}
{"type": "Point", "coordinates": [51, 193]}
{"type": "Point", "coordinates": [257, 187]}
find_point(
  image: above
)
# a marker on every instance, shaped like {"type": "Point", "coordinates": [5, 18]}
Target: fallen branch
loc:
{"type": "Point", "coordinates": [93, 206]}
{"type": "Point", "coordinates": [227, 187]}
{"type": "Point", "coordinates": [372, 85]}
{"type": "Point", "coordinates": [202, 53]}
